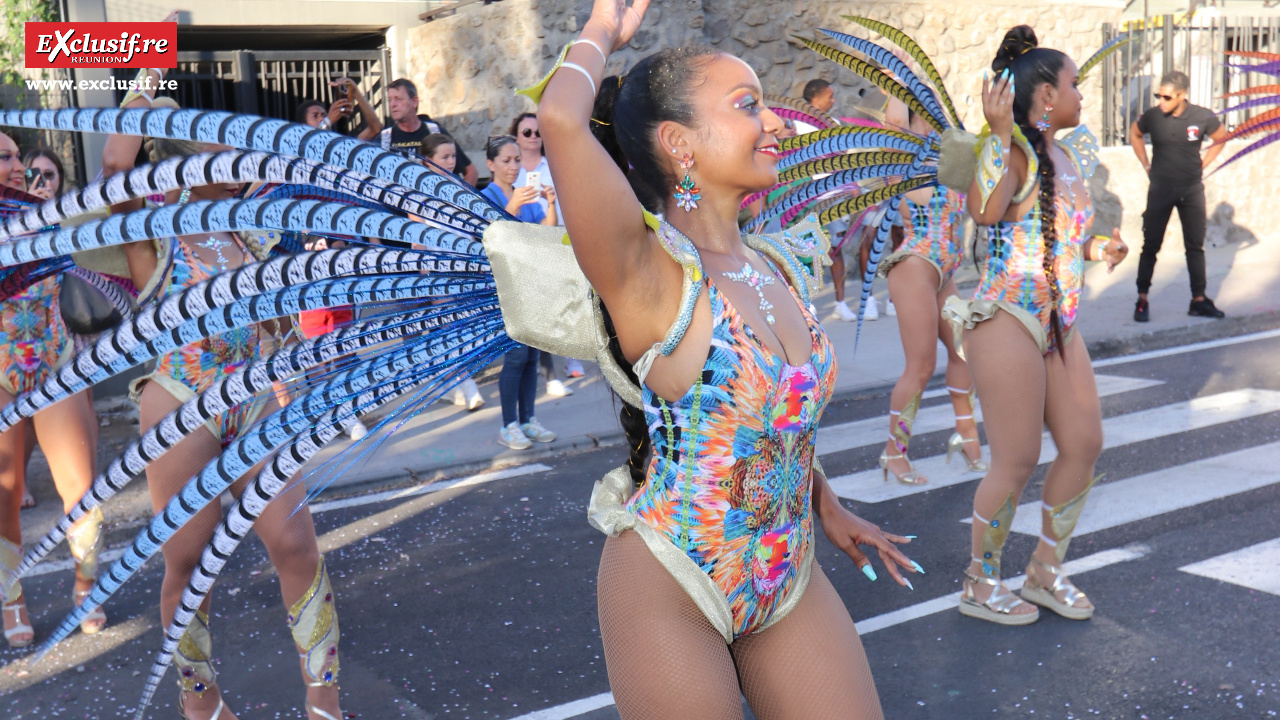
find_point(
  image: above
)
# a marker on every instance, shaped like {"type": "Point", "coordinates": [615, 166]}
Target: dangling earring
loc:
{"type": "Point", "coordinates": [1043, 123]}
{"type": "Point", "coordinates": [686, 194]}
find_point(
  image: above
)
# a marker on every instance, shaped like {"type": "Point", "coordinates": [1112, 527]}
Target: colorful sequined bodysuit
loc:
{"type": "Point", "coordinates": [935, 232]}
{"type": "Point", "coordinates": [1015, 267]}
{"type": "Point", "coordinates": [729, 483]}
{"type": "Point", "coordinates": [196, 366]}
{"type": "Point", "coordinates": [33, 340]}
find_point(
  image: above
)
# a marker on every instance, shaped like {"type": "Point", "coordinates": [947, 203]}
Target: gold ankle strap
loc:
{"type": "Point", "coordinates": [10, 557]}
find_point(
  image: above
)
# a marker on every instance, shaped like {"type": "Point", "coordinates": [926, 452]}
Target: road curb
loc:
{"type": "Point", "coordinates": [1098, 350]}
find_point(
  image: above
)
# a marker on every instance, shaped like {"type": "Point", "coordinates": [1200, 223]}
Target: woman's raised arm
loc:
{"type": "Point", "coordinates": [603, 217]}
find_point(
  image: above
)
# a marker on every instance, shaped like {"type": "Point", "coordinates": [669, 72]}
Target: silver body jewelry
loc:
{"type": "Point", "coordinates": [755, 280]}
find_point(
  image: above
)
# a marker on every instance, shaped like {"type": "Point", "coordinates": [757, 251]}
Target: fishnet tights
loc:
{"type": "Point", "coordinates": [667, 662]}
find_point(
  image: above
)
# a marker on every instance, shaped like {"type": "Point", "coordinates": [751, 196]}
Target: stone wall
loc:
{"type": "Point", "coordinates": [467, 65]}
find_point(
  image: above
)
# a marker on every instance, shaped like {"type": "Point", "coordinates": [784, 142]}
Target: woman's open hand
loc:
{"type": "Point", "coordinates": [618, 19]}
{"type": "Point", "coordinates": [847, 531]}
{"type": "Point", "coordinates": [997, 103]}
{"type": "Point", "coordinates": [1117, 251]}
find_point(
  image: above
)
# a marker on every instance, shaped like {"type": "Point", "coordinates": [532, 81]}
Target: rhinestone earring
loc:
{"type": "Point", "coordinates": [1043, 123]}
{"type": "Point", "coordinates": [686, 194]}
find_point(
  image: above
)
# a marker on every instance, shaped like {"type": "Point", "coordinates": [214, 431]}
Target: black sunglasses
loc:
{"type": "Point", "coordinates": [1163, 97]}
{"type": "Point", "coordinates": [530, 132]}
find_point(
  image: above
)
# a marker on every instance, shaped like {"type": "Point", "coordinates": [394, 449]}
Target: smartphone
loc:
{"type": "Point", "coordinates": [35, 180]}
{"type": "Point", "coordinates": [534, 179]}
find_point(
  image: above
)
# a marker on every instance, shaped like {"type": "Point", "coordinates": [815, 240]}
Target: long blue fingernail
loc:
{"type": "Point", "coordinates": [909, 585]}
{"type": "Point", "coordinates": [870, 572]}
{"type": "Point", "coordinates": [985, 76]}
{"type": "Point", "coordinates": [909, 537]}
{"type": "Point", "coordinates": [916, 565]}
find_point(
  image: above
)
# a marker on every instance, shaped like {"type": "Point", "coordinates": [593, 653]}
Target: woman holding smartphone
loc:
{"type": "Point", "coordinates": [535, 171]}
{"type": "Point", "coordinates": [34, 343]}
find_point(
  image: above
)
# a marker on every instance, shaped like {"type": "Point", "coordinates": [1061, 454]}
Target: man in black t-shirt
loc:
{"type": "Point", "coordinates": [407, 128]}
{"type": "Point", "coordinates": [1177, 129]}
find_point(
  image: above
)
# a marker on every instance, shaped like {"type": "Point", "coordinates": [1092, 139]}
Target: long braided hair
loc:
{"type": "Point", "coordinates": [1033, 66]}
{"type": "Point", "coordinates": [624, 120]}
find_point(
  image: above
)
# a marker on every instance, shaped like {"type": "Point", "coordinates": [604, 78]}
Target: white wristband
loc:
{"type": "Point", "coordinates": [603, 55]}
{"type": "Point", "coordinates": [585, 73]}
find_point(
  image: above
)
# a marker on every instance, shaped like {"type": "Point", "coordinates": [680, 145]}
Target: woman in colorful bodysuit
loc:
{"type": "Point", "coordinates": [34, 344]}
{"type": "Point", "coordinates": [1030, 191]}
{"type": "Point", "coordinates": [920, 282]}
{"type": "Point", "coordinates": [707, 587]}
{"type": "Point", "coordinates": [285, 527]}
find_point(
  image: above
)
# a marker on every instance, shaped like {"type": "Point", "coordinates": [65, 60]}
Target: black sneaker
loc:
{"type": "Point", "coordinates": [1142, 311]}
{"type": "Point", "coordinates": [1205, 308]}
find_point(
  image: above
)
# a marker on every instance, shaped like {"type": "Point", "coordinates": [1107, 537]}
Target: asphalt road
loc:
{"type": "Point", "coordinates": [478, 600]}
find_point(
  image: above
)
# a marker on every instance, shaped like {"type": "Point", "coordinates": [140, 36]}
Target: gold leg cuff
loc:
{"type": "Point", "coordinates": [194, 655]}
{"type": "Point", "coordinates": [313, 620]}
{"type": "Point", "coordinates": [10, 557]}
{"type": "Point", "coordinates": [994, 536]}
{"type": "Point", "coordinates": [1063, 519]}
{"type": "Point", "coordinates": [85, 541]}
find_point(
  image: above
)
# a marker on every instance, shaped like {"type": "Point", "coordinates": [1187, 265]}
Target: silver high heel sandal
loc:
{"type": "Point", "coordinates": [900, 436]}
{"type": "Point", "coordinates": [956, 445]}
{"type": "Point", "coordinates": [957, 441]}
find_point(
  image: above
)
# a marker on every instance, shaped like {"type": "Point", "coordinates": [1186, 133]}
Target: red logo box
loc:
{"type": "Point", "coordinates": [101, 44]}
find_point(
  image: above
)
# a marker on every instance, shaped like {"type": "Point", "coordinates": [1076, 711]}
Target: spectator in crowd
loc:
{"type": "Point", "coordinates": [44, 178]}
{"type": "Point", "coordinates": [408, 128]}
{"type": "Point", "coordinates": [441, 150]}
{"type": "Point", "coordinates": [533, 163]}
{"type": "Point", "coordinates": [820, 94]}
{"type": "Point", "coordinates": [1176, 169]}
{"type": "Point", "coordinates": [49, 166]}
{"type": "Point", "coordinates": [312, 112]}
{"type": "Point", "coordinates": [518, 383]}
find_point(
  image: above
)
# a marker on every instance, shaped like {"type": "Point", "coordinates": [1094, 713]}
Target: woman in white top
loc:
{"type": "Point", "coordinates": [532, 160]}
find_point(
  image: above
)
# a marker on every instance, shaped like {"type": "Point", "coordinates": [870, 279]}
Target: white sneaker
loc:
{"type": "Point", "coordinates": [357, 430]}
{"type": "Point", "coordinates": [889, 309]}
{"type": "Point", "coordinates": [844, 313]}
{"type": "Point", "coordinates": [573, 368]}
{"type": "Point", "coordinates": [555, 388]}
{"type": "Point", "coordinates": [459, 396]}
{"type": "Point", "coordinates": [474, 400]}
{"type": "Point", "coordinates": [871, 312]}
{"type": "Point", "coordinates": [534, 431]}
{"type": "Point", "coordinates": [513, 437]}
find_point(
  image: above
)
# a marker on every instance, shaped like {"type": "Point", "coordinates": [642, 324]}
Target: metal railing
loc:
{"type": "Point", "coordinates": [273, 83]}
{"type": "Point", "coordinates": [1192, 43]}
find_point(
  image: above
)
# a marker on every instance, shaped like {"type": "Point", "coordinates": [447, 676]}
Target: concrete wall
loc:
{"type": "Point", "coordinates": [467, 65]}
{"type": "Point", "coordinates": [1240, 200]}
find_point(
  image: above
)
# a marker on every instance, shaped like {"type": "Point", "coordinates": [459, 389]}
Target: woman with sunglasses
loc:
{"type": "Point", "coordinates": [534, 160]}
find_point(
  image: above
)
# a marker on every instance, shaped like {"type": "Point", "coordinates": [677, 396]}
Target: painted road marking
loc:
{"type": "Point", "coordinates": [875, 431]}
{"type": "Point", "coordinates": [869, 486]}
{"type": "Point", "coordinates": [1254, 567]}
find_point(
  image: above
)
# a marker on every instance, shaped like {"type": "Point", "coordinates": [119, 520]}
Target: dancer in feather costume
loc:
{"type": "Point", "coordinates": [34, 344]}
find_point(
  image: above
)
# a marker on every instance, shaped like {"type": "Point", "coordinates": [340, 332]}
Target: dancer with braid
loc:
{"type": "Point", "coordinates": [920, 282]}
{"type": "Point", "coordinates": [1029, 363]}
{"type": "Point", "coordinates": [708, 589]}
{"type": "Point", "coordinates": [285, 527]}
{"type": "Point", "coordinates": [34, 345]}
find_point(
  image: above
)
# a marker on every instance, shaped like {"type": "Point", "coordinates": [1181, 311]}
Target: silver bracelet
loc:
{"type": "Point", "coordinates": [585, 73]}
{"type": "Point", "coordinates": [603, 55]}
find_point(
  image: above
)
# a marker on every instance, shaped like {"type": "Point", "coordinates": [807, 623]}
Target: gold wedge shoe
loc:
{"type": "Point", "coordinates": [998, 608]}
{"type": "Point", "coordinates": [1065, 604]}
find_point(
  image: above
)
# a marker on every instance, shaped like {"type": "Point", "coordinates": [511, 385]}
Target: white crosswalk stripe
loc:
{"type": "Point", "coordinates": [1256, 567]}
{"type": "Point", "coordinates": [1137, 498]}
{"type": "Point", "coordinates": [875, 431]}
{"type": "Point", "coordinates": [869, 486]}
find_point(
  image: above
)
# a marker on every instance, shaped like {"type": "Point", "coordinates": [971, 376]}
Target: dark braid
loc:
{"type": "Point", "coordinates": [1033, 66]}
{"type": "Point", "coordinates": [631, 418]}
{"type": "Point", "coordinates": [1048, 227]}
